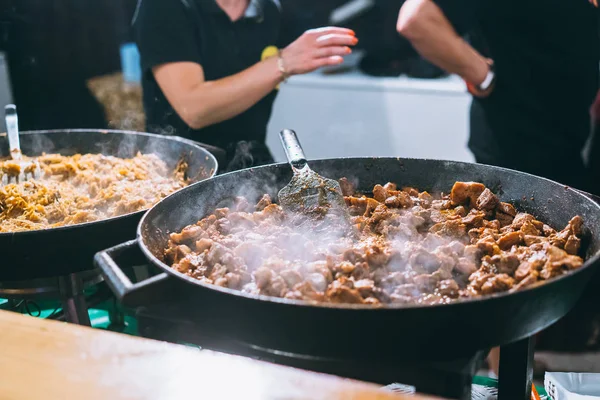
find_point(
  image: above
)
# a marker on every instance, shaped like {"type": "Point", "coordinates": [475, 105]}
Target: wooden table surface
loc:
{"type": "Point", "coordinates": [54, 360]}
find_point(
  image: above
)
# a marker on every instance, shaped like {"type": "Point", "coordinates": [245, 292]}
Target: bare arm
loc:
{"type": "Point", "coordinates": [424, 24]}
{"type": "Point", "coordinates": [202, 103]}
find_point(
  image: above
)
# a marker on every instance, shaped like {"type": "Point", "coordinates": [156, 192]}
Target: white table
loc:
{"type": "Point", "coordinates": [353, 114]}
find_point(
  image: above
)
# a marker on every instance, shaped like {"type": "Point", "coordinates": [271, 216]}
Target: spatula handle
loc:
{"type": "Point", "coordinates": [292, 148]}
{"type": "Point", "coordinates": [12, 128]}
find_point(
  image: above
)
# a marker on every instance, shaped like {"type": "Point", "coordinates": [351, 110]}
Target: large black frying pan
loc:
{"type": "Point", "coordinates": [63, 250]}
{"type": "Point", "coordinates": [355, 331]}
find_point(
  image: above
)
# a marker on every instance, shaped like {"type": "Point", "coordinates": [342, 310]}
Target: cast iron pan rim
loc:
{"type": "Point", "coordinates": [587, 264]}
{"type": "Point", "coordinates": [105, 131]}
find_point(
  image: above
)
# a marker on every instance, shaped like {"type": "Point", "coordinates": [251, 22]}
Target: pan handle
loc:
{"type": "Point", "coordinates": [128, 254]}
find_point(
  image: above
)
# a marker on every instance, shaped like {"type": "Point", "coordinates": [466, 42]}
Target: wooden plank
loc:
{"type": "Point", "coordinates": [53, 360]}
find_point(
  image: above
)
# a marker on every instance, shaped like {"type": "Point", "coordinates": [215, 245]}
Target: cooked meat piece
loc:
{"type": "Point", "coordinates": [527, 281]}
{"type": "Point", "coordinates": [529, 229]}
{"type": "Point", "coordinates": [348, 188]}
{"type": "Point", "coordinates": [453, 228]}
{"type": "Point", "coordinates": [531, 239]}
{"type": "Point", "coordinates": [262, 277]}
{"type": "Point", "coordinates": [497, 283]}
{"type": "Point", "coordinates": [318, 281]}
{"type": "Point", "coordinates": [449, 288]}
{"type": "Point", "coordinates": [203, 244]}
{"type": "Point", "coordinates": [572, 245]}
{"type": "Point", "coordinates": [474, 219]}
{"type": "Point", "coordinates": [548, 231]}
{"type": "Point", "coordinates": [390, 186]}
{"type": "Point", "coordinates": [376, 256]}
{"type": "Point", "coordinates": [399, 200]}
{"type": "Point", "coordinates": [412, 192]}
{"type": "Point", "coordinates": [263, 203]}
{"type": "Point", "coordinates": [425, 199]}
{"type": "Point", "coordinates": [487, 245]}
{"type": "Point", "coordinates": [425, 261]}
{"type": "Point", "coordinates": [339, 293]}
{"type": "Point", "coordinates": [189, 234]}
{"type": "Point", "coordinates": [576, 225]}
{"type": "Point", "coordinates": [507, 208]}
{"type": "Point", "coordinates": [379, 193]}
{"type": "Point", "coordinates": [441, 204]}
{"type": "Point", "coordinates": [291, 277]}
{"type": "Point", "coordinates": [506, 263]}
{"type": "Point", "coordinates": [487, 200]}
{"type": "Point", "coordinates": [508, 240]}
{"type": "Point", "coordinates": [504, 219]}
{"type": "Point", "coordinates": [520, 219]}
{"type": "Point", "coordinates": [408, 289]}
{"type": "Point", "coordinates": [365, 287]}
{"type": "Point", "coordinates": [221, 212]}
{"type": "Point", "coordinates": [426, 282]}
{"type": "Point", "coordinates": [465, 266]}
{"type": "Point", "coordinates": [466, 193]}
{"type": "Point", "coordinates": [472, 252]}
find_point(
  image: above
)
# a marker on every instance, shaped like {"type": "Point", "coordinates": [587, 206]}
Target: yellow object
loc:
{"type": "Point", "coordinates": [268, 52]}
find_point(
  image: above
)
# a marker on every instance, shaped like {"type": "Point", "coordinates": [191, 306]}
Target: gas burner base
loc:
{"type": "Point", "coordinates": [69, 289]}
{"type": "Point", "coordinates": [451, 380]}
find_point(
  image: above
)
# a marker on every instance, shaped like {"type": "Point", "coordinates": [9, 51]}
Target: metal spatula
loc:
{"type": "Point", "coordinates": [308, 191]}
{"type": "Point", "coordinates": [18, 169]}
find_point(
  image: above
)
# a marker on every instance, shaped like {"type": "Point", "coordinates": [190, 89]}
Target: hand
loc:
{"type": "Point", "coordinates": [317, 48]}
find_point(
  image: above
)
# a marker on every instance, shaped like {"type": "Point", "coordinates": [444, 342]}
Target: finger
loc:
{"type": "Point", "coordinates": [336, 39]}
{"type": "Point", "coordinates": [328, 61]}
{"type": "Point", "coordinates": [331, 29]}
{"type": "Point", "coordinates": [332, 51]}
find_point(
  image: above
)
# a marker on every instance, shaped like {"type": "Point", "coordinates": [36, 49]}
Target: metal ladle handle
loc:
{"type": "Point", "coordinates": [12, 128]}
{"type": "Point", "coordinates": [293, 150]}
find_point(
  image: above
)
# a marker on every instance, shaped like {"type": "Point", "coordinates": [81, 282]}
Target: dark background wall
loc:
{"type": "Point", "coordinates": [53, 47]}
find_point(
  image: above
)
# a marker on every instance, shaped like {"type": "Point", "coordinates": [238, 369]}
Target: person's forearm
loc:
{"type": "Point", "coordinates": [431, 34]}
{"type": "Point", "coordinates": [215, 101]}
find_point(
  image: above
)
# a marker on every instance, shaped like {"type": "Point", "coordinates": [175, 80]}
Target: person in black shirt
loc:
{"type": "Point", "coordinates": [211, 69]}
{"type": "Point", "coordinates": [532, 68]}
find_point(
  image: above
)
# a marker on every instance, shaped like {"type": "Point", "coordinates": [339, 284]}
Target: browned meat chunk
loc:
{"type": "Point", "coordinates": [454, 228]}
{"type": "Point", "coordinates": [339, 293]}
{"type": "Point", "coordinates": [474, 219]}
{"type": "Point", "coordinates": [487, 200]}
{"type": "Point", "coordinates": [390, 186]}
{"type": "Point", "coordinates": [497, 283]}
{"type": "Point", "coordinates": [529, 229]}
{"type": "Point", "coordinates": [520, 219]}
{"type": "Point", "coordinates": [449, 288]}
{"type": "Point", "coordinates": [379, 193]}
{"type": "Point", "coordinates": [504, 219]}
{"type": "Point", "coordinates": [576, 225]}
{"type": "Point", "coordinates": [348, 188]}
{"type": "Point", "coordinates": [507, 209]}
{"type": "Point", "coordinates": [412, 192]}
{"type": "Point", "coordinates": [399, 200]}
{"type": "Point", "coordinates": [264, 202]}
{"type": "Point", "coordinates": [425, 199]}
{"type": "Point", "coordinates": [508, 240]}
{"type": "Point", "coordinates": [506, 263]}
{"type": "Point", "coordinates": [188, 234]}
{"type": "Point", "coordinates": [466, 193]}
{"type": "Point", "coordinates": [573, 244]}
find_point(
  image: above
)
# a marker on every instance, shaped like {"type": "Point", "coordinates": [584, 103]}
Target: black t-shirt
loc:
{"type": "Point", "coordinates": [546, 56]}
{"type": "Point", "coordinates": [200, 31]}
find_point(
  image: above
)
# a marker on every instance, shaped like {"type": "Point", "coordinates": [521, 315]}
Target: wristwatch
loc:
{"type": "Point", "coordinates": [485, 88]}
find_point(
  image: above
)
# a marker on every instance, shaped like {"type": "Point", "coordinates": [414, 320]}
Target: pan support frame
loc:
{"type": "Point", "coordinates": [69, 289]}
{"type": "Point", "coordinates": [450, 380]}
